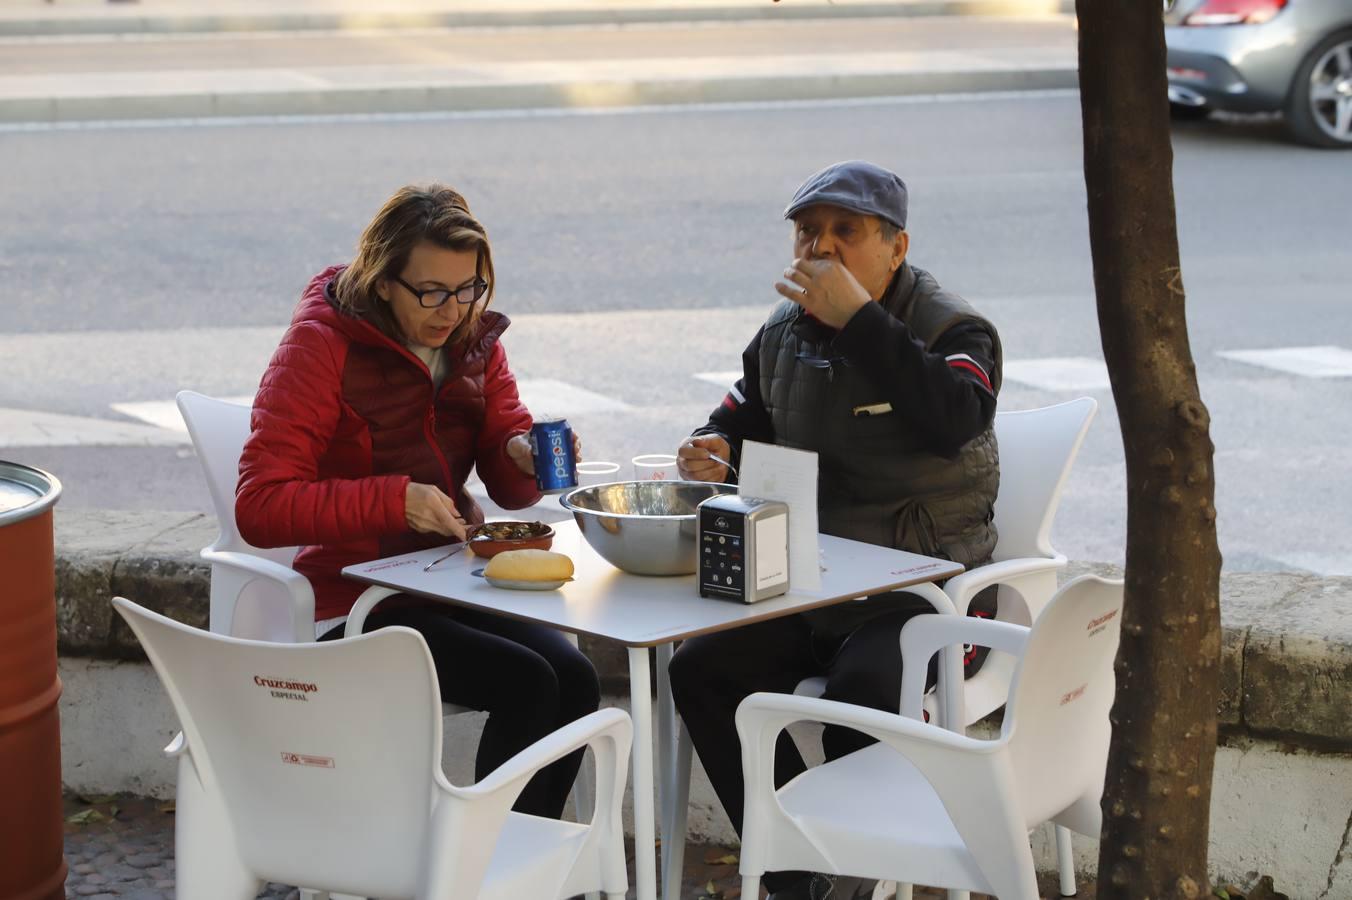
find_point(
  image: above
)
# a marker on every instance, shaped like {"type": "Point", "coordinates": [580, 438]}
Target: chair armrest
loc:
{"type": "Point", "coordinates": [286, 576]}
{"type": "Point", "coordinates": [608, 732]}
{"type": "Point", "coordinates": [356, 617]}
{"type": "Point", "coordinates": [950, 686]}
{"type": "Point", "coordinates": [924, 636]}
{"type": "Point", "coordinates": [467, 822]}
{"type": "Point", "coordinates": [177, 747]}
{"type": "Point", "coordinates": [762, 716]}
{"type": "Point", "coordinates": [962, 588]}
{"type": "Point", "coordinates": [302, 593]}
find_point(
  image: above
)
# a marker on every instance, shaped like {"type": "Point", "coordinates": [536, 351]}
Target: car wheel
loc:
{"type": "Point", "coordinates": [1319, 110]}
{"type": "Point", "coordinates": [1182, 112]}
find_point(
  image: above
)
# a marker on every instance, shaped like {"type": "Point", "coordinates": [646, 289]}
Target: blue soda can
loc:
{"type": "Point", "coordinates": [551, 445]}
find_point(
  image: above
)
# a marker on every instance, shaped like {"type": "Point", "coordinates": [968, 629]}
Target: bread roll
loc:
{"type": "Point", "coordinates": [530, 565]}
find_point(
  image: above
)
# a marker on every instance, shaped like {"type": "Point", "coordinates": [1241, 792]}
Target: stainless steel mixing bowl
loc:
{"type": "Point", "coordinates": [644, 527]}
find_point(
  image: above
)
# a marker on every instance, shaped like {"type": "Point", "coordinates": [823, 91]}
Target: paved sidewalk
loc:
{"type": "Point", "coordinates": [38, 17]}
{"type": "Point", "coordinates": [46, 80]}
{"type": "Point", "coordinates": [122, 848]}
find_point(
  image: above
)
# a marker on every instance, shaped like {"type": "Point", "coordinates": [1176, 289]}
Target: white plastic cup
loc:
{"type": "Point", "coordinates": [655, 467]}
{"type": "Point", "coordinates": [589, 473]}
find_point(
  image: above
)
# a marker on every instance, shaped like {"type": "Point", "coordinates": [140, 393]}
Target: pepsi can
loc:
{"type": "Point", "coordinates": [551, 445]}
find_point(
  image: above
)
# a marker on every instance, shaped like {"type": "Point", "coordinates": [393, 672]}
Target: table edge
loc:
{"type": "Point", "coordinates": [371, 581]}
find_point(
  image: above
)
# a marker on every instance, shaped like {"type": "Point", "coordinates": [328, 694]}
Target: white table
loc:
{"type": "Point", "coordinates": [643, 612]}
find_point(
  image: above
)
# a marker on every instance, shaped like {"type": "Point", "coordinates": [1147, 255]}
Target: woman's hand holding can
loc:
{"type": "Point", "coordinates": [518, 448]}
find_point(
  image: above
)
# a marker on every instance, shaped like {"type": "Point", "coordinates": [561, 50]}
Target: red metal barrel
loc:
{"type": "Point", "coordinates": [32, 862]}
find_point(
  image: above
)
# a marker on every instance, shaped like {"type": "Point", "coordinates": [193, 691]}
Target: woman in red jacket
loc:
{"type": "Point", "coordinates": [387, 390]}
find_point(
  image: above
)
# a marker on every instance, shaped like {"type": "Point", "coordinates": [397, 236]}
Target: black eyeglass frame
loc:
{"type": "Point", "coordinates": [477, 288]}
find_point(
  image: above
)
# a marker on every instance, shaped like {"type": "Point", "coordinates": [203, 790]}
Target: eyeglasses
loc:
{"type": "Point", "coordinates": [431, 299]}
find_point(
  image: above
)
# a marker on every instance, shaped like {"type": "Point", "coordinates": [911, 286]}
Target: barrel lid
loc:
{"type": "Point", "coordinates": [25, 492]}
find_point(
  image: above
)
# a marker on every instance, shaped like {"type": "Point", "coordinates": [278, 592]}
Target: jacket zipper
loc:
{"type": "Point", "coordinates": [430, 430]}
{"type": "Point", "coordinates": [429, 421]}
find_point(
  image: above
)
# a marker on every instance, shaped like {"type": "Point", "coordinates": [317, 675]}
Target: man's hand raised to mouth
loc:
{"type": "Point", "coordinates": [824, 288]}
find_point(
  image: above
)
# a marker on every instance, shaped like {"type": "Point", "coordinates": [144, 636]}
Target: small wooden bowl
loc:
{"type": "Point", "coordinates": [542, 538]}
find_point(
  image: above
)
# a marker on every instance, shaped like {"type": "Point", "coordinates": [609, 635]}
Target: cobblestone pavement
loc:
{"type": "Point", "coordinates": [122, 848]}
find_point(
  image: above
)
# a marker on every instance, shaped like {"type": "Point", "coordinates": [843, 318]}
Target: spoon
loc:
{"type": "Point", "coordinates": [718, 459]}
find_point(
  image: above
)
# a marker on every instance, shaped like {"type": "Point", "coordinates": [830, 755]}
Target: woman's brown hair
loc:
{"type": "Point", "coordinates": [435, 213]}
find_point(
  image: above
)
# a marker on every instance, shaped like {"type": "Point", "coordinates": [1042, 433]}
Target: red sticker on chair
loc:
{"type": "Point", "coordinates": [1096, 625]}
{"type": "Point", "coordinates": [301, 759]}
{"type": "Point", "coordinates": [1071, 696]}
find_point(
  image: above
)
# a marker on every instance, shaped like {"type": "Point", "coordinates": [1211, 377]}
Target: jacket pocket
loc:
{"type": "Point", "coordinates": [917, 531]}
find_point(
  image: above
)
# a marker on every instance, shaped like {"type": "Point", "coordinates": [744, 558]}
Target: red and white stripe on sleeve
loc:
{"type": "Point", "coordinates": [965, 363]}
{"type": "Point", "coordinates": [733, 398]}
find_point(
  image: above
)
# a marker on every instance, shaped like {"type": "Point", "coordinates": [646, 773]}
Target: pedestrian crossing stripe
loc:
{"type": "Point", "coordinates": [1059, 373]}
{"type": "Point", "coordinates": [164, 413]}
{"type": "Point", "coordinates": [722, 379]}
{"type": "Point", "coordinates": [158, 423]}
{"type": "Point", "coordinates": [30, 428]}
{"type": "Point", "coordinates": [1309, 362]}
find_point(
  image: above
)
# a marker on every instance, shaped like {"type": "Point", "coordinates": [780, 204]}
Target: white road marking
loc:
{"type": "Point", "coordinates": [547, 397]}
{"type": "Point", "coordinates": [1308, 362]}
{"type": "Point", "coordinates": [722, 379]}
{"type": "Point", "coordinates": [544, 396]}
{"type": "Point", "coordinates": [1059, 373]}
{"type": "Point", "coordinates": [1320, 564]}
{"type": "Point", "coordinates": [29, 428]}
{"type": "Point", "coordinates": [164, 426]}
{"type": "Point", "coordinates": [164, 413]}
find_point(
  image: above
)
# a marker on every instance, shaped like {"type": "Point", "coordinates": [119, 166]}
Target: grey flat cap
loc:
{"type": "Point", "coordinates": [856, 185]}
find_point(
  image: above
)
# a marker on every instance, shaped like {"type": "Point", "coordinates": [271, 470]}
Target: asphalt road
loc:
{"type": "Point", "coordinates": [636, 251]}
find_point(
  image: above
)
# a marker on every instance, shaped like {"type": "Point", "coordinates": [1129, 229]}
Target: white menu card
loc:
{"type": "Point", "coordinates": [769, 472]}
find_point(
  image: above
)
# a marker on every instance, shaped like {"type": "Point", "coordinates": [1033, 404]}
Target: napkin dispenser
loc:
{"type": "Point", "coordinates": [743, 548]}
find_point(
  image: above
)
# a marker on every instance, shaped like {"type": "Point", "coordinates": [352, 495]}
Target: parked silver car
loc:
{"type": "Point", "coordinates": [1265, 55]}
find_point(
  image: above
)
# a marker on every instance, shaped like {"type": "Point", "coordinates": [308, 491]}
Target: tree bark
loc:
{"type": "Point", "coordinates": [1157, 796]}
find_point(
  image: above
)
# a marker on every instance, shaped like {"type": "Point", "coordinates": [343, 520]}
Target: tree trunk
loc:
{"type": "Point", "coordinates": [1157, 796]}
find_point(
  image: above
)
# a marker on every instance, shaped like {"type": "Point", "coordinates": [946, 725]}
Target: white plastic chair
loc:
{"type": "Point", "coordinates": [319, 763]}
{"type": "Point", "coordinates": [928, 806]}
{"type": "Point", "coordinates": [1037, 449]}
{"type": "Point", "coordinates": [254, 592]}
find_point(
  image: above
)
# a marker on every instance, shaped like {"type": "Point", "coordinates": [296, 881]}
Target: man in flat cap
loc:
{"type": "Point", "coordinates": [892, 381]}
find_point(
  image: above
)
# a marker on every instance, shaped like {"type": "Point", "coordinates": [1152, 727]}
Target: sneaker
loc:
{"type": "Point", "coordinates": [828, 887]}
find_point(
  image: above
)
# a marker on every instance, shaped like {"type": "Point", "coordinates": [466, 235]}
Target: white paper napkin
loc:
{"type": "Point", "coordinates": [769, 472]}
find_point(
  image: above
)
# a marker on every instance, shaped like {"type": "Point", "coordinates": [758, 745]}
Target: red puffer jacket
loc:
{"type": "Point", "coordinates": [345, 417]}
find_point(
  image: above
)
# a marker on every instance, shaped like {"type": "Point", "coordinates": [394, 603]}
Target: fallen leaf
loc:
{"type": "Point", "coordinates": [85, 816]}
{"type": "Point", "coordinates": [1264, 890]}
{"type": "Point", "coordinates": [166, 807]}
